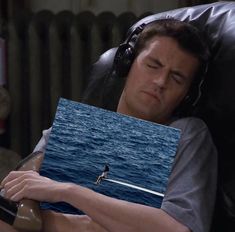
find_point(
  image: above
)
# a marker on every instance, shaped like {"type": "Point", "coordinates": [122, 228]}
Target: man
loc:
{"type": "Point", "coordinates": [103, 175]}
{"type": "Point", "coordinates": [168, 60]}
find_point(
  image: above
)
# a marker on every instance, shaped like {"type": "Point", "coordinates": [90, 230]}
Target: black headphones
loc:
{"type": "Point", "coordinates": [125, 56]}
{"type": "Point", "coordinates": [125, 53]}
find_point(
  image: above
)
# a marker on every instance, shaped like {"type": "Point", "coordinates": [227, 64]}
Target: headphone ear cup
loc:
{"type": "Point", "coordinates": [196, 92]}
{"type": "Point", "coordinates": [123, 60]}
{"type": "Point", "coordinates": [187, 106]}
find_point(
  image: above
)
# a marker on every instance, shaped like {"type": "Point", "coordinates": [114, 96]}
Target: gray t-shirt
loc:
{"type": "Point", "coordinates": [191, 190]}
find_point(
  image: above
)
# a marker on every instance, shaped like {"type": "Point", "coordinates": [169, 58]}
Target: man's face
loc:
{"type": "Point", "coordinates": [158, 80]}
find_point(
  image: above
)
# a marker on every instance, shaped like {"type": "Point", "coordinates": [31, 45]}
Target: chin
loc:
{"type": "Point", "coordinates": [148, 117]}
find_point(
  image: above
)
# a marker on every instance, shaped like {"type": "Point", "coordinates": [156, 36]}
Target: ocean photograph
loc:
{"type": "Point", "coordinates": [85, 138]}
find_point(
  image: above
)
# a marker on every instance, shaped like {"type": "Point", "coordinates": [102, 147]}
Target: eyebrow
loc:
{"type": "Point", "coordinates": [158, 62]}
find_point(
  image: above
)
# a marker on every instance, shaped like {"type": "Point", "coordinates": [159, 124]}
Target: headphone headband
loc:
{"type": "Point", "coordinates": [136, 32]}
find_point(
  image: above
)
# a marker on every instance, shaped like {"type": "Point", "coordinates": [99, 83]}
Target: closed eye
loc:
{"type": "Point", "coordinates": [153, 66]}
{"type": "Point", "coordinates": [178, 78]}
{"type": "Point", "coordinates": [153, 63]}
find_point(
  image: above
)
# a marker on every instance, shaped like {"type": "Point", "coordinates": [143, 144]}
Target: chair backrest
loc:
{"type": "Point", "coordinates": [217, 108]}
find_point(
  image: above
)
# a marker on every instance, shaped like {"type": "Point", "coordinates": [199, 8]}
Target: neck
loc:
{"type": "Point", "coordinates": [125, 110]}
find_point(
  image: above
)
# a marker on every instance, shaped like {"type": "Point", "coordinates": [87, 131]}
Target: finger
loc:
{"type": "Point", "coordinates": [18, 195]}
{"type": "Point", "coordinates": [18, 183]}
{"type": "Point", "coordinates": [20, 187]}
{"type": "Point", "coordinates": [18, 178]}
{"type": "Point", "coordinates": [12, 175]}
{"type": "Point", "coordinates": [12, 183]}
{"type": "Point", "coordinates": [16, 191]}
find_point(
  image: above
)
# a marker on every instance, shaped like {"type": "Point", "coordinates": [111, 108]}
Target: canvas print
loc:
{"type": "Point", "coordinates": [114, 154]}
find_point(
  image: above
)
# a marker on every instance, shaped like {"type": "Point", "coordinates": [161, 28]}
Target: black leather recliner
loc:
{"type": "Point", "coordinates": [217, 107]}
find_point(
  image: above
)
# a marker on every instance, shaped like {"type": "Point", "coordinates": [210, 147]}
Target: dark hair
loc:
{"type": "Point", "coordinates": [188, 38]}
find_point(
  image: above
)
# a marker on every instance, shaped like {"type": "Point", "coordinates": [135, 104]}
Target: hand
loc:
{"type": "Point", "coordinates": [30, 185]}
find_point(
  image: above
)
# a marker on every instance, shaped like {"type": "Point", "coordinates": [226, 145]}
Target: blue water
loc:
{"type": "Point", "coordinates": [85, 138]}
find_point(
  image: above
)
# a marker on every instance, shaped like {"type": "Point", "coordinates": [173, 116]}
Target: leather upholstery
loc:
{"type": "Point", "coordinates": [217, 107]}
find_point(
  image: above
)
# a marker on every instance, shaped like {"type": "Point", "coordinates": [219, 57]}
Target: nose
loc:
{"type": "Point", "coordinates": [160, 80]}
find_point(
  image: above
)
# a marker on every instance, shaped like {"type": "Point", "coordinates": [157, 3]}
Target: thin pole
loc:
{"type": "Point", "coordinates": [135, 187]}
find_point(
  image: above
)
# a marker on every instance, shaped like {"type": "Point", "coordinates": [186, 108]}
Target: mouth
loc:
{"type": "Point", "coordinates": [153, 95]}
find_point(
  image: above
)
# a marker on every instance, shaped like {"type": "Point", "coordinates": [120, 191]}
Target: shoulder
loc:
{"type": "Point", "coordinates": [196, 145]}
{"type": "Point", "coordinates": [46, 133]}
{"type": "Point", "coordinates": [188, 123]}
{"type": "Point", "coordinates": [195, 141]}
{"type": "Point", "coordinates": [190, 127]}
{"type": "Point", "coordinates": [41, 146]}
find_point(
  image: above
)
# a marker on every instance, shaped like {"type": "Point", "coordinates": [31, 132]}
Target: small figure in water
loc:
{"type": "Point", "coordinates": [103, 175]}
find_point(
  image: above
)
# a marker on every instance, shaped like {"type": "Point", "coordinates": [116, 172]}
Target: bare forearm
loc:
{"type": "Point", "coordinates": [52, 222]}
{"type": "Point", "coordinates": [57, 222]}
{"type": "Point", "coordinates": [116, 215]}
{"type": "Point", "coordinates": [112, 214]}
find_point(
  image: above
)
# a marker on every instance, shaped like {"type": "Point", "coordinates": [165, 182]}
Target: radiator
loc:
{"type": "Point", "coordinates": [49, 56]}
